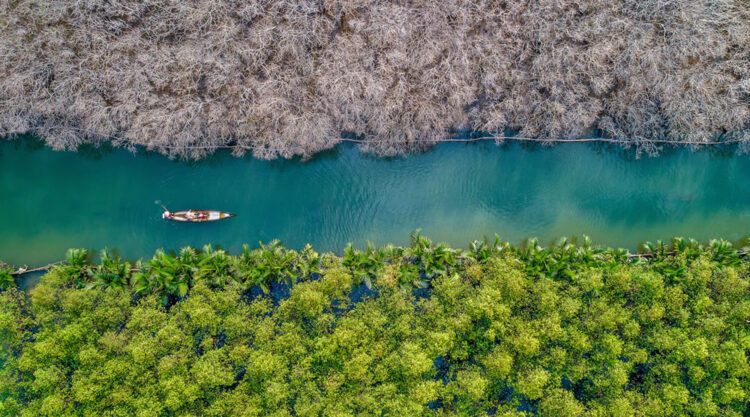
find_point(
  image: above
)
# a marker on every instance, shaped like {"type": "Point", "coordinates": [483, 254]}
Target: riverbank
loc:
{"type": "Point", "coordinates": [651, 147]}
{"type": "Point", "coordinates": [646, 251]}
{"type": "Point", "coordinates": [418, 330]}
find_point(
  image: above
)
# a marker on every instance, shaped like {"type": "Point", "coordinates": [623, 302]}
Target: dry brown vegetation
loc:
{"type": "Point", "coordinates": [287, 77]}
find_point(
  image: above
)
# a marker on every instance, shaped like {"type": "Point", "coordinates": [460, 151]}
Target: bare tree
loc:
{"type": "Point", "coordinates": [288, 77]}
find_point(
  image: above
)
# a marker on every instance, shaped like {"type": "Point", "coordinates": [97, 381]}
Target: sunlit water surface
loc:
{"type": "Point", "coordinates": [455, 193]}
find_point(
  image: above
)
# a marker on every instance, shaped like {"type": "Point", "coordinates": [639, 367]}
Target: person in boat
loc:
{"type": "Point", "coordinates": [166, 215]}
{"type": "Point", "coordinates": [190, 215]}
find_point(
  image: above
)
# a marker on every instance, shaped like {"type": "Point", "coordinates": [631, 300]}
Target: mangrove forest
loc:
{"type": "Point", "coordinates": [282, 78]}
{"type": "Point", "coordinates": [145, 144]}
{"type": "Point", "coordinates": [422, 330]}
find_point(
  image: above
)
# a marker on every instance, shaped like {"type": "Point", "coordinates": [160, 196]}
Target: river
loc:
{"type": "Point", "coordinates": [455, 193]}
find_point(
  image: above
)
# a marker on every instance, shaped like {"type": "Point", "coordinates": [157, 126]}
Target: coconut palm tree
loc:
{"type": "Point", "coordinates": [409, 276]}
{"type": "Point", "coordinates": [420, 245]}
{"type": "Point", "coordinates": [391, 254]}
{"type": "Point", "coordinates": [723, 252]}
{"type": "Point", "coordinates": [438, 261]}
{"type": "Point", "coordinates": [216, 267]}
{"type": "Point", "coordinates": [308, 263]}
{"type": "Point", "coordinates": [76, 266]}
{"type": "Point", "coordinates": [111, 273]}
{"type": "Point", "coordinates": [690, 247]}
{"type": "Point", "coordinates": [482, 251]}
{"type": "Point", "coordinates": [271, 262]}
{"type": "Point", "coordinates": [168, 276]}
{"type": "Point", "coordinates": [364, 265]}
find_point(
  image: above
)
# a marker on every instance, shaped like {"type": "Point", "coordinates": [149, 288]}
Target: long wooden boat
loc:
{"type": "Point", "coordinates": [197, 215]}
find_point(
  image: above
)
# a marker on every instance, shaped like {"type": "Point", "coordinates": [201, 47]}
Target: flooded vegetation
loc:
{"type": "Point", "coordinates": [136, 132]}
{"type": "Point", "coordinates": [286, 78]}
{"type": "Point", "coordinates": [423, 330]}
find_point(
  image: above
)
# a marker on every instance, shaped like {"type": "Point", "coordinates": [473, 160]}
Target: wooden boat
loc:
{"type": "Point", "coordinates": [199, 215]}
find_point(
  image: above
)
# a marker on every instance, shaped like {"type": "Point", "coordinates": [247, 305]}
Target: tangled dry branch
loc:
{"type": "Point", "coordinates": [288, 77]}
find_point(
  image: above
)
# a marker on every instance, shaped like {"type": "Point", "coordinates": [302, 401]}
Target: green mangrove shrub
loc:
{"type": "Point", "coordinates": [565, 330]}
{"type": "Point", "coordinates": [6, 277]}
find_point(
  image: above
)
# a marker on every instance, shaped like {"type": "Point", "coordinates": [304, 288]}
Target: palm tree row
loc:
{"type": "Point", "coordinates": [172, 276]}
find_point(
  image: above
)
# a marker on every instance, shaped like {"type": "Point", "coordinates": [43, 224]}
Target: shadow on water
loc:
{"type": "Point", "coordinates": [280, 291]}
{"type": "Point", "coordinates": [722, 152]}
{"type": "Point", "coordinates": [608, 149]}
{"type": "Point", "coordinates": [362, 292]}
{"type": "Point", "coordinates": [214, 159]}
{"type": "Point", "coordinates": [96, 152]}
{"type": "Point", "coordinates": [29, 281]}
{"type": "Point", "coordinates": [281, 164]}
{"type": "Point", "coordinates": [25, 142]}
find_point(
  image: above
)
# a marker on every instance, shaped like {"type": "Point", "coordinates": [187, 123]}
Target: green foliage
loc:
{"type": "Point", "coordinates": [561, 331]}
{"type": "Point", "coordinates": [6, 277]}
{"type": "Point", "coordinates": [216, 267]}
{"type": "Point", "coordinates": [111, 273]}
{"type": "Point", "coordinates": [168, 276]}
{"type": "Point", "coordinates": [272, 263]}
{"type": "Point", "coordinates": [75, 266]}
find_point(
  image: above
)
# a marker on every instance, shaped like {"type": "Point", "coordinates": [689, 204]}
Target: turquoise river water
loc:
{"type": "Point", "coordinates": [455, 193]}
